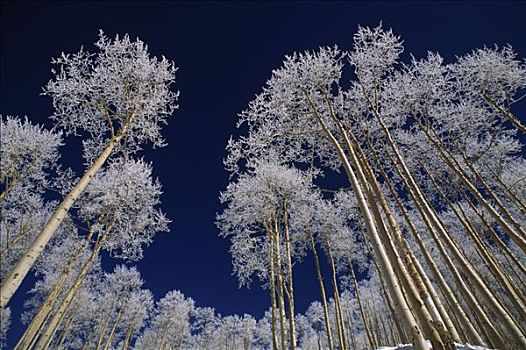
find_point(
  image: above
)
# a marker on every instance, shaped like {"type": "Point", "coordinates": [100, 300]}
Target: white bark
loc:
{"type": "Point", "coordinates": [19, 272]}
{"type": "Point", "coordinates": [379, 250]}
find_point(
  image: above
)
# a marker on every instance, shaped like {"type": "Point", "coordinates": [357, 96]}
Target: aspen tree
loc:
{"type": "Point", "coordinates": [119, 97]}
{"type": "Point", "coordinates": [120, 206]}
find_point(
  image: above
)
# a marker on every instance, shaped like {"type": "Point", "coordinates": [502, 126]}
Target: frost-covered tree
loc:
{"type": "Point", "coordinates": [170, 324]}
{"type": "Point", "coordinates": [28, 159]}
{"type": "Point", "coordinates": [119, 208]}
{"type": "Point", "coordinates": [118, 97]}
{"type": "Point", "coordinates": [22, 215]}
{"type": "Point", "coordinates": [28, 154]}
{"type": "Point", "coordinates": [56, 271]}
{"type": "Point", "coordinates": [385, 130]}
{"type": "Point", "coordinates": [5, 322]}
{"type": "Point", "coordinates": [263, 207]}
{"type": "Point", "coordinates": [122, 310]}
{"type": "Point", "coordinates": [203, 324]}
{"type": "Point", "coordinates": [298, 117]}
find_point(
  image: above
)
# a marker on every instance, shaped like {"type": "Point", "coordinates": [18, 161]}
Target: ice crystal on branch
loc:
{"type": "Point", "coordinates": [120, 90]}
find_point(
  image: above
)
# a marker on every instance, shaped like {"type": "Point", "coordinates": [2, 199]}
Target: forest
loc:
{"type": "Point", "coordinates": [423, 243]}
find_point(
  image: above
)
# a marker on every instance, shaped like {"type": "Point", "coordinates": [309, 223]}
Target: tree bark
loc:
{"type": "Point", "coordinates": [328, 330]}
{"type": "Point", "coordinates": [272, 287]}
{"type": "Point", "coordinates": [279, 273]}
{"type": "Point", "coordinates": [336, 293]}
{"type": "Point", "coordinates": [44, 309]}
{"type": "Point", "coordinates": [289, 284]}
{"type": "Point", "coordinates": [380, 253]}
{"type": "Point", "coordinates": [59, 314]}
{"type": "Point", "coordinates": [372, 344]}
{"type": "Point", "coordinates": [19, 272]}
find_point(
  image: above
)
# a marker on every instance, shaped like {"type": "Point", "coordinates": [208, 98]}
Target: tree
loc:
{"type": "Point", "coordinates": [385, 130]}
{"type": "Point", "coordinates": [170, 324]}
{"type": "Point", "coordinates": [5, 322]}
{"type": "Point", "coordinates": [263, 208]}
{"type": "Point", "coordinates": [295, 116]}
{"type": "Point", "coordinates": [119, 208]}
{"type": "Point", "coordinates": [28, 154]}
{"type": "Point", "coordinates": [119, 97]}
{"type": "Point", "coordinates": [28, 157]}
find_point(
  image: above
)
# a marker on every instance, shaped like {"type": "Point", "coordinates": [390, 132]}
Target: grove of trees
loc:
{"type": "Point", "coordinates": [424, 244]}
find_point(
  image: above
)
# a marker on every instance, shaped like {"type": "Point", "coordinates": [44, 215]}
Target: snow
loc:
{"type": "Point", "coordinates": [410, 347]}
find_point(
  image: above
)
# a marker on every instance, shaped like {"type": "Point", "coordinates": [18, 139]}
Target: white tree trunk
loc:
{"type": "Point", "coordinates": [379, 250]}
{"type": "Point", "coordinates": [19, 272]}
{"type": "Point", "coordinates": [290, 285]}
{"type": "Point", "coordinates": [328, 330]}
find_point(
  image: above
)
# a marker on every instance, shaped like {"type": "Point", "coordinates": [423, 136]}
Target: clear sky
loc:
{"type": "Point", "coordinates": [225, 51]}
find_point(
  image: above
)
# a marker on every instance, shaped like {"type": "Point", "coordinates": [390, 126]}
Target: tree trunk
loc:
{"type": "Point", "coordinates": [409, 275]}
{"type": "Point", "coordinates": [19, 272]}
{"type": "Point", "coordinates": [502, 314]}
{"type": "Point", "coordinates": [472, 332]}
{"type": "Point", "coordinates": [65, 331]}
{"type": "Point", "coordinates": [507, 114]}
{"type": "Point", "coordinates": [272, 283]}
{"type": "Point", "coordinates": [336, 293]}
{"type": "Point", "coordinates": [446, 158]}
{"type": "Point", "coordinates": [372, 344]}
{"type": "Point", "coordinates": [44, 309]}
{"type": "Point", "coordinates": [129, 335]}
{"type": "Point", "coordinates": [517, 264]}
{"type": "Point", "coordinates": [104, 324]}
{"type": "Point", "coordinates": [115, 325]}
{"type": "Point", "coordinates": [59, 314]}
{"type": "Point", "coordinates": [486, 257]}
{"type": "Point", "coordinates": [279, 273]}
{"type": "Point", "coordinates": [379, 250]}
{"type": "Point", "coordinates": [289, 285]}
{"type": "Point", "coordinates": [434, 230]}
{"type": "Point", "coordinates": [322, 290]}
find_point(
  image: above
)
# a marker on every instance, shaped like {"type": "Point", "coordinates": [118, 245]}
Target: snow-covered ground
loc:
{"type": "Point", "coordinates": [410, 347]}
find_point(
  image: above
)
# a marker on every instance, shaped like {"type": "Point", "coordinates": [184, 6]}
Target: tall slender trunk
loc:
{"type": "Point", "coordinates": [38, 333]}
{"type": "Point", "coordinates": [44, 309]}
{"type": "Point", "coordinates": [507, 114]}
{"type": "Point", "coordinates": [420, 200]}
{"type": "Point", "coordinates": [447, 158]}
{"type": "Point", "coordinates": [115, 325]}
{"type": "Point", "coordinates": [519, 204]}
{"type": "Point", "coordinates": [510, 257]}
{"type": "Point", "coordinates": [350, 329]}
{"type": "Point", "coordinates": [503, 316]}
{"type": "Point", "coordinates": [336, 293]}
{"type": "Point", "coordinates": [485, 255]}
{"type": "Point", "coordinates": [401, 331]}
{"type": "Point", "coordinates": [488, 190]}
{"type": "Point", "coordinates": [22, 267]}
{"type": "Point", "coordinates": [59, 314]}
{"type": "Point", "coordinates": [417, 291]}
{"type": "Point", "coordinates": [272, 283]}
{"type": "Point", "coordinates": [379, 250]}
{"type": "Point", "coordinates": [472, 332]}
{"type": "Point", "coordinates": [67, 327]}
{"type": "Point", "coordinates": [104, 324]}
{"type": "Point", "coordinates": [371, 312]}
{"type": "Point", "coordinates": [279, 273]}
{"type": "Point", "coordinates": [372, 344]}
{"type": "Point", "coordinates": [289, 284]}
{"type": "Point", "coordinates": [129, 334]}
{"type": "Point", "coordinates": [436, 229]}
{"type": "Point", "coordinates": [328, 330]}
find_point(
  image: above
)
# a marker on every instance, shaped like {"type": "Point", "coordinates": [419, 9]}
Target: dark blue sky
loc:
{"type": "Point", "coordinates": [225, 51]}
